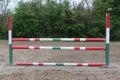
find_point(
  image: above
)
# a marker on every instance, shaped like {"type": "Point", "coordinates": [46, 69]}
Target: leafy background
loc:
{"type": "Point", "coordinates": [50, 18]}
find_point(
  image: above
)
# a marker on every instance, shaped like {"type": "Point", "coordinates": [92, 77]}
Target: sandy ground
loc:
{"type": "Point", "coordinates": [63, 72]}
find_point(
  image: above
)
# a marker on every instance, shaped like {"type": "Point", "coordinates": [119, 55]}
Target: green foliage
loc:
{"type": "Point", "coordinates": [100, 8]}
{"type": "Point", "coordinates": [51, 19]}
{"type": "Point", "coordinates": [48, 18]}
{"type": "Point", "coordinates": [3, 34]}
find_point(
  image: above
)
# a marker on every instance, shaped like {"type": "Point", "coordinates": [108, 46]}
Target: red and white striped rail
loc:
{"type": "Point", "coordinates": [61, 39]}
{"type": "Point", "coordinates": [58, 48]}
{"type": "Point", "coordinates": [59, 64]}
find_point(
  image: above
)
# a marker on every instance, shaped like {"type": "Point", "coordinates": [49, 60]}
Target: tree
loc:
{"type": "Point", "coordinates": [4, 7]}
{"type": "Point", "coordinates": [4, 11]}
{"type": "Point", "coordinates": [100, 7]}
{"type": "Point", "coordinates": [115, 19]}
{"type": "Point", "coordinates": [46, 18]}
{"type": "Point", "coordinates": [85, 15]}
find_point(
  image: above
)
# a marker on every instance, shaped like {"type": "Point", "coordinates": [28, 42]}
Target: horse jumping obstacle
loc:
{"type": "Point", "coordinates": [106, 48]}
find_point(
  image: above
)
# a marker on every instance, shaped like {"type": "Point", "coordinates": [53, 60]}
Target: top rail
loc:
{"type": "Point", "coordinates": [61, 39]}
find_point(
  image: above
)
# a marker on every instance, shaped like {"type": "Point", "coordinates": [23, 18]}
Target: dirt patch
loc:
{"type": "Point", "coordinates": [59, 73]}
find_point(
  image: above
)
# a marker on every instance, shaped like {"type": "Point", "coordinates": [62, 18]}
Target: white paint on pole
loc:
{"type": "Point", "coordinates": [35, 63]}
{"type": "Point", "coordinates": [85, 64]}
{"type": "Point", "coordinates": [32, 39]}
{"type": "Point", "coordinates": [46, 47]}
{"type": "Point", "coordinates": [10, 36]}
{"type": "Point", "coordinates": [46, 39]}
{"type": "Point", "coordinates": [31, 47]}
{"type": "Point", "coordinates": [68, 48]}
{"type": "Point", "coordinates": [108, 35]}
{"type": "Point", "coordinates": [82, 39]}
{"type": "Point", "coordinates": [70, 64]}
{"type": "Point", "coordinates": [67, 39]}
{"type": "Point", "coordinates": [82, 48]}
{"type": "Point", "coordinates": [49, 64]}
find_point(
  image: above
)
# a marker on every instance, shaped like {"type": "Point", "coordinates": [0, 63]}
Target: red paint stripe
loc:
{"type": "Point", "coordinates": [20, 47]}
{"type": "Point", "coordinates": [96, 64]}
{"type": "Point", "coordinates": [40, 64]}
{"type": "Point", "coordinates": [24, 63]}
{"type": "Point", "coordinates": [24, 39]}
{"type": "Point", "coordinates": [36, 47]}
{"type": "Point", "coordinates": [37, 39]}
{"type": "Point", "coordinates": [79, 64]}
{"type": "Point", "coordinates": [9, 23]}
{"type": "Point", "coordinates": [95, 39]}
{"type": "Point", "coordinates": [20, 39]}
{"type": "Point", "coordinates": [77, 39]}
{"type": "Point", "coordinates": [95, 48]}
{"type": "Point", "coordinates": [77, 48]}
{"type": "Point", "coordinates": [107, 20]}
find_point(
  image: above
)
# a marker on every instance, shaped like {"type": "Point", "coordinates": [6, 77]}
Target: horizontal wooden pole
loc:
{"type": "Point", "coordinates": [58, 48]}
{"type": "Point", "coordinates": [59, 64]}
{"type": "Point", "coordinates": [62, 39]}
